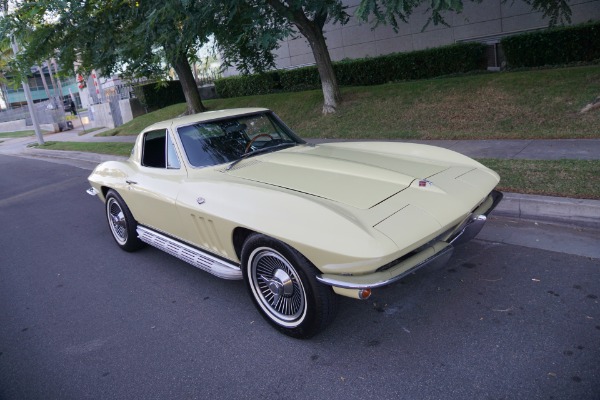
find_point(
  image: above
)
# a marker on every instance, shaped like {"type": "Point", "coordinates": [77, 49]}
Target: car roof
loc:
{"type": "Point", "coordinates": [203, 117]}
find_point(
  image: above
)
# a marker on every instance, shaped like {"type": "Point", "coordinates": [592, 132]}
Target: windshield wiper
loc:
{"type": "Point", "coordinates": [259, 151]}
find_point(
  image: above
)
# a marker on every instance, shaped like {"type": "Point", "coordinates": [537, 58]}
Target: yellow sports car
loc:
{"type": "Point", "coordinates": [238, 194]}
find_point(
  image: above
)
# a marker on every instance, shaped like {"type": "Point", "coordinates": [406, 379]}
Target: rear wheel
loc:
{"type": "Point", "coordinates": [121, 222]}
{"type": "Point", "coordinates": [284, 289]}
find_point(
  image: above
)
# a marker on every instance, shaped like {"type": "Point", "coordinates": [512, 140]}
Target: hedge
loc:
{"type": "Point", "coordinates": [557, 46]}
{"type": "Point", "coordinates": [246, 85]}
{"type": "Point", "coordinates": [446, 60]}
{"type": "Point", "coordinates": [421, 64]}
{"type": "Point", "coordinates": [154, 96]}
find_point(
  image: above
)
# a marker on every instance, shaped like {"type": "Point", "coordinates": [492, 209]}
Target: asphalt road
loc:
{"type": "Point", "coordinates": [81, 319]}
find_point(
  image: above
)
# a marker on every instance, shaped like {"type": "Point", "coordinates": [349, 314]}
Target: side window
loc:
{"type": "Point", "coordinates": [159, 151]}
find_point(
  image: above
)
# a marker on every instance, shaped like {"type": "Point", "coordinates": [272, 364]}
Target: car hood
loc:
{"type": "Point", "coordinates": [360, 175]}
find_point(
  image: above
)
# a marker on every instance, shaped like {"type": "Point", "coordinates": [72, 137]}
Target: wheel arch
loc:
{"type": "Point", "coordinates": [104, 190]}
{"type": "Point", "coordinates": [239, 237]}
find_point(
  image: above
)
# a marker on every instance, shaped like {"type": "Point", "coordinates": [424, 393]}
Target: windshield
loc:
{"type": "Point", "coordinates": [227, 140]}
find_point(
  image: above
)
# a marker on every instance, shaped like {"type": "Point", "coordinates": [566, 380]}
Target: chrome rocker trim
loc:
{"type": "Point", "coordinates": [438, 253]}
{"type": "Point", "coordinates": [190, 255]}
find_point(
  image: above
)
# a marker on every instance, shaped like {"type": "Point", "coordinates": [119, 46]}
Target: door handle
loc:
{"type": "Point", "coordinates": [131, 182]}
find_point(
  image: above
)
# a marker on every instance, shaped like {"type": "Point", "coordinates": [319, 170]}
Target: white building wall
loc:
{"type": "Point", "coordinates": [486, 22]}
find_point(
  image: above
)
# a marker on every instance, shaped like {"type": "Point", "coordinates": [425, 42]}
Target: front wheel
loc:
{"type": "Point", "coordinates": [284, 289]}
{"type": "Point", "coordinates": [121, 222]}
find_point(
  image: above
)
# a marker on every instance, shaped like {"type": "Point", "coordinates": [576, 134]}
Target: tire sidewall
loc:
{"type": "Point", "coordinates": [254, 292]}
{"type": "Point", "coordinates": [133, 242]}
{"type": "Point", "coordinates": [309, 323]}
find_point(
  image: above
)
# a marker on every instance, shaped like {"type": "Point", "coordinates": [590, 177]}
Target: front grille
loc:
{"type": "Point", "coordinates": [419, 249]}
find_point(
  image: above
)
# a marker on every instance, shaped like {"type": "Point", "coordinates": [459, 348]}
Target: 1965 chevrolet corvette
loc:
{"type": "Point", "coordinates": [238, 194]}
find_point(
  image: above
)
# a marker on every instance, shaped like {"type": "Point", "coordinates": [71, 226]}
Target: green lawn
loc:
{"type": "Point", "coordinates": [541, 104]}
{"type": "Point", "coordinates": [507, 105]}
{"type": "Point", "coordinates": [116, 148]}
{"type": "Point", "coordinates": [564, 178]}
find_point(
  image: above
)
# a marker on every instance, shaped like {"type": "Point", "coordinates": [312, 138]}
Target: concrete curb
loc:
{"type": "Point", "coordinates": [72, 155]}
{"type": "Point", "coordinates": [558, 210]}
{"type": "Point", "coordinates": [566, 211]}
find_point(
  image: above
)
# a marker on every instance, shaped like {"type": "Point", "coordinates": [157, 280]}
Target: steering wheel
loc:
{"type": "Point", "coordinates": [256, 137]}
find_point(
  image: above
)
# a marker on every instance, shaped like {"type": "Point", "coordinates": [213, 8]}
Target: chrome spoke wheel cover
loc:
{"type": "Point", "coordinates": [277, 287]}
{"type": "Point", "coordinates": [116, 220]}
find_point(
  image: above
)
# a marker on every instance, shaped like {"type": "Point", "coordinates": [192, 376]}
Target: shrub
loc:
{"type": "Point", "coordinates": [421, 64]}
{"type": "Point", "coordinates": [557, 46]}
{"type": "Point", "coordinates": [154, 96]}
{"type": "Point", "coordinates": [246, 85]}
{"type": "Point", "coordinates": [299, 79]}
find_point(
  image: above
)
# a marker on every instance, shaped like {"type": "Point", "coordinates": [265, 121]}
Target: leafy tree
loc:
{"type": "Point", "coordinates": [6, 55]}
{"type": "Point", "coordinates": [390, 11]}
{"type": "Point", "coordinates": [310, 16]}
{"type": "Point", "coordinates": [246, 33]}
{"type": "Point", "coordinates": [4, 59]}
{"type": "Point", "coordinates": [142, 37]}
{"type": "Point", "coordinates": [166, 26]}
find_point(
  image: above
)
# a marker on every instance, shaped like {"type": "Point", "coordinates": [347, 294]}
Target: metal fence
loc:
{"type": "Point", "coordinates": [47, 112]}
{"type": "Point", "coordinates": [126, 90]}
{"type": "Point", "coordinates": [13, 114]}
{"type": "Point", "coordinates": [53, 110]}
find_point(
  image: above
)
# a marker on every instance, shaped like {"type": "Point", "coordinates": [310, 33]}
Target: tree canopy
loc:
{"type": "Point", "coordinates": [308, 17]}
{"type": "Point", "coordinates": [147, 37]}
{"type": "Point", "coordinates": [141, 38]}
{"type": "Point", "coordinates": [394, 11]}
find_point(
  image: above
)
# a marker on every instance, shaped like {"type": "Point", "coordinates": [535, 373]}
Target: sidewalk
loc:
{"type": "Point", "coordinates": [528, 149]}
{"type": "Point", "coordinates": [556, 149]}
{"type": "Point", "coordinates": [577, 212]}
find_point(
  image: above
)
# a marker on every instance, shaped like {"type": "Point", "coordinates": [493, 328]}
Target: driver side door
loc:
{"type": "Point", "coordinates": [153, 190]}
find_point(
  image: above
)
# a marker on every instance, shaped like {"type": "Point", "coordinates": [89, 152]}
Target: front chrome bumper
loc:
{"type": "Point", "coordinates": [473, 225]}
{"type": "Point", "coordinates": [437, 253]}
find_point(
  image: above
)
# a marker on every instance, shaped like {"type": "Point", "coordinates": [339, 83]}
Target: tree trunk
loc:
{"type": "Point", "coordinates": [331, 91]}
{"type": "Point", "coordinates": [313, 32]}
{"type": "Point", "coordinates": [188, 84]}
